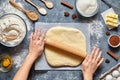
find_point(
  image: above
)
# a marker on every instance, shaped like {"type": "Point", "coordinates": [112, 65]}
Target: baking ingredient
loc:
{"type": "Point", "coordinates": [88, 7]}
{"type": "Point", "coordinates": [113, 55]}
{"type": "Point", "coordinates": [67, 4]}
{"type": "Point", "coordinates": [6, 62]}
{"type": "Point", "coordinates": [74, 16]}
{"type": "Point", "coordinates": [67, 36]}
{"type": "Point", "coordinates": [66, 13]}
{"type": "Point", "coordinates": [109, 77]}
{"type": "Point", "coordinates": [64, 47]}
{"type": "Point", "coordinates": [114, 78]}
{"type": "Point", "coordinates": [39, 8]}
{"type": "Point", "coordinates": [112, 19]}
{"type": "Point", "coordinates": [30, 14]}
{"type": "Point", "coordinates": [12, 30]}
{"type": "Point", "coordinates": [112, 15]}
{"type": "Point", "coordinates": [115, 73]}
{"type": "Point", "coordinates": [108, 33]}
{"type": "Point", "coordinates": [42, 11]}
{"type": "Point", "coordinates": [48, 4]}
{"type": "Point", "coordinates": [119, 68]}
{"type": "Point", "coordinates": [114, 40]}
{"type": "Point", "coordinates": [118, 78]}
{"type": "Point", "coordinates": [107, 61]}
{"type": "Point", "coordinates": [10, 33]}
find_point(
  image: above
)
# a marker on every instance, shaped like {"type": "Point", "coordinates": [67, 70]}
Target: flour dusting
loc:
{"type": "Point", "coordinates": [8, 8]}
{"type": "Point", "coordinates": [96, 29]}
{"type": "Point", "coordinates": [18, 60]}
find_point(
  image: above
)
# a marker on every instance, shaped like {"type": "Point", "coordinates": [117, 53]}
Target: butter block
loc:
{"type": "Point", "coordinates": [112, 24]}
{"type": "Point", "coordinates": [111, 20]}
{"type": "Point", "coordinates": [113, 15]}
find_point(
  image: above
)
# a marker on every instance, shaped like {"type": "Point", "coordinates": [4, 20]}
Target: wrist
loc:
{"type": "Point", "coordinates": [88, 76]}
{"type": "Point", "coordinates": [31, 57]}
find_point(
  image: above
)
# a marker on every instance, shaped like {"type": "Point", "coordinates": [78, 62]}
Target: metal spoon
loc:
{"type": "Point", "coordinates": [39, 8]}
{"type": "Point", "coordinates": [48, 4]}
{"type": "Point", "coordinates": [30, 14]}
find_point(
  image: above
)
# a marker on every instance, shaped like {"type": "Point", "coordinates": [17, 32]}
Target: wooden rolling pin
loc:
{"type": "Point", "coordinates": [66, 48]}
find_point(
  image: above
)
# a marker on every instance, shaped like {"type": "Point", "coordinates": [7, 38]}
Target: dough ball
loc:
{"type": "Point", "coordinates": [118, 78]}
{"type": "Point", "coordinates": [109, 77]}
{"type": "Point", "coordinates": [68, 36]}
{"type": "Point", "coordinates": [115, 73]}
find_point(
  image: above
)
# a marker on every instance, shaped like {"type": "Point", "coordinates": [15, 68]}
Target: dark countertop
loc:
{"type": "Point", "coordinates": [96, 27]}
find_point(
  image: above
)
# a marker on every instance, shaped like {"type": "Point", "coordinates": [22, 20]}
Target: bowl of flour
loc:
{"type": "Point", "coordinates": [12, 30]}
{"type": "Point", "coordinates": [87, 8]}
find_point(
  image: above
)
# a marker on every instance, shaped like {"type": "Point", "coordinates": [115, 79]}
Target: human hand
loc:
{"type": "Point", "coordinates": [91, 63]}
{"type": "Point", "coordinates": [36, 44]}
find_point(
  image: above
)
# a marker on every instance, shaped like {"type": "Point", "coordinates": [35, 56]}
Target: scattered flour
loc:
{"type": "Point", "coordinates": [8, 8]}
{"type": "Point", "coordinates": [96, 29]}
{"type": "Point", "coordinates": [18, 60]}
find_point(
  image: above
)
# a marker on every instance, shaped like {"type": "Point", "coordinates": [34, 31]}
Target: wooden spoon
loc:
{"type": "Point", "coordinates": [48, 4]}
{"type": "Point", "coordinates": [39, 8]}
{"type": "Point", "coordinates": [30, 14]}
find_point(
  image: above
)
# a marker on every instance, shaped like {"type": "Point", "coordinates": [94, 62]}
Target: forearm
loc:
{"type": "Point", "coordinates": [24, 70]}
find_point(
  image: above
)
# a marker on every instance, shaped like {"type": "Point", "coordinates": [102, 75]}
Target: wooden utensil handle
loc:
{"type": "Point", "coordinates": [43, 1]}
{"type": "Point", "coordinates": [16, 5]}
{"type": "Point", "coordinates": [30, 2]}
{"type": "Point", "coordinates": [65, 47]}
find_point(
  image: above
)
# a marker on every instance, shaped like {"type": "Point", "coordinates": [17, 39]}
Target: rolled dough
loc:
{"type": "Point", "coordinates": [68, 36]}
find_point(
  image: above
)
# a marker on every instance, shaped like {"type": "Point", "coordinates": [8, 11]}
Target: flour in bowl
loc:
{"type": "Point", "coordinates": [12, 30]}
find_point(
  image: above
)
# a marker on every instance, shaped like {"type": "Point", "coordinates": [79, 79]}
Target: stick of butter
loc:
{"type": "Point", "coordinates": [113, 15]}
{"type": "Point", "coordinates": [112, 20]}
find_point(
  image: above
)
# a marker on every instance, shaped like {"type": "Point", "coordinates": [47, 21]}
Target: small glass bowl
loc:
{"type": "Point", "coordinates": [2, 58]}
{"type": "Point", "coordinates": [87, 15]}
{"type": "Point", "coordinates": [111, 44]}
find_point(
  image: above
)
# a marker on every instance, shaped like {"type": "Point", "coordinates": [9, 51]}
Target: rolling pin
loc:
{"type": "Point", "coordinates": [67, 48]}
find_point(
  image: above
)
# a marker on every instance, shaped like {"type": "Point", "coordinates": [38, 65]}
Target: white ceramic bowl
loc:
{"type": "Point", "coordinates": [86, 15]}
{"type": "Point", "coordinates": [111, 44]}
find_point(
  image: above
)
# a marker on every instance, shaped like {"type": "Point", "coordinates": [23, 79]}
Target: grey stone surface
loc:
{"type": "Point", "coordinates": [98, 38]}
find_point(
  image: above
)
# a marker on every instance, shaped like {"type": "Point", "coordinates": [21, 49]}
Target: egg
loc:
{"type": "Point", "coordinates": [119, 68]}
{"type": "Point", "coordinates": [109, 77]}
{"type": "Point", "coordinates": [114, 79]}
{"type": "Point", "coordinates": [118, 78]}
{"type": "Point", "coordinates": [115, 73]}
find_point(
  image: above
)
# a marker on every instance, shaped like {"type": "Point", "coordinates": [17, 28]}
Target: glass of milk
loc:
{"type": "Point", "coordinates": [87, 8]}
